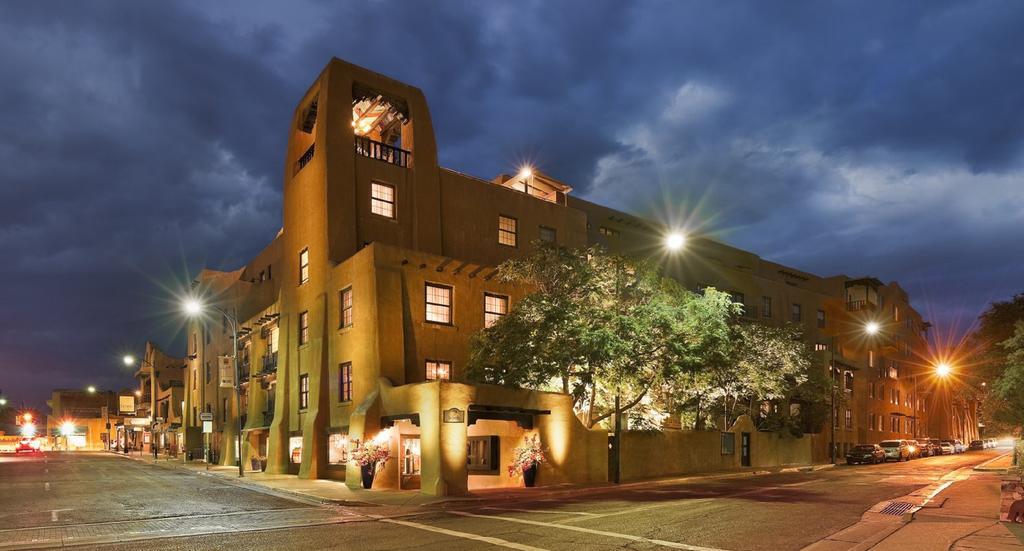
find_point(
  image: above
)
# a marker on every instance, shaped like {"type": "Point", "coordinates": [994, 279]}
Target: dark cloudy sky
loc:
{"type": "Point", "coordinates": [142, 140]}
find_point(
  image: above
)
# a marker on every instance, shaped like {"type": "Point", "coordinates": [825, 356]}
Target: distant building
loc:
{"type": "Point", "coordinates": [161, 394]}
{"type": "Point", "coordinates": [81, 420]}
{"type": "Point", "coordinates": [355, 320]}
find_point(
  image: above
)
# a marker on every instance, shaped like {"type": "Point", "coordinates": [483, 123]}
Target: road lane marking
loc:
{"type": "Point", "coordinates": [541, 511]}
{"type": "Point", "coordinates": [464, 535]}
{"type": "Point", "coordinates": [630, 537]}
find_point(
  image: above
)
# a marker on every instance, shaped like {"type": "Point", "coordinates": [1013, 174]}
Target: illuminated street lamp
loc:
{"type": "Point", "coordinates": [943, 369]}
{"type": "Point", "coordinates": [871, 328]}
{"type": "Point", "coordinates": [675, 241]}
{"type": "Point", "coordinates": [90, 389]}
{"type": "Point", "coordinates": [193, 307]}
{"type": "Point", "coordinates": [28, 430]}
{"type": "Point", "coordinates": [3, 402]}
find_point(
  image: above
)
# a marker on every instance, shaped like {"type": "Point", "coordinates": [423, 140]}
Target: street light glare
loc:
{"type": "Point", "coordinates": [871, 328]}
{"type": "Point", "coordinates": [28, 430]}
{"type": "Point", "coordinates": [67, 428]}
{"type": "Point", "coordinates": [943, 369]}
{"type": "Point", "coordinates": [91, 389]}
{"type": "Point", "coordinates": [193, 307]}
{"type": "Point", "coordinates": [675, 241]}
{"type": "Point", "coordinates": [525, 172]}
{"type": "Point", "coordinates": [129, 359]}
{"type": "Point", "coordinates": [3, 401]}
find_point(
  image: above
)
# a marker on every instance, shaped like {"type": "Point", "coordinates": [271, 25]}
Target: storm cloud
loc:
{"type": "Point", "coordinates": [143, 141]}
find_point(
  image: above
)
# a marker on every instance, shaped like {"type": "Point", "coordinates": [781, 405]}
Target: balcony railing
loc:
{"type": "Point", "coordinates": [270, 363]}
{"type": "Point", "coordinates": [382, 151]}
{"type": "Point", "coordinates": [856, 305]}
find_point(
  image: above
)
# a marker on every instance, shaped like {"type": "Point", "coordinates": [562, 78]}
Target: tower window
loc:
{"type": "Point", "coordinates": [382, 200]}
{"type": "Point", "coordinates": [507, 230]}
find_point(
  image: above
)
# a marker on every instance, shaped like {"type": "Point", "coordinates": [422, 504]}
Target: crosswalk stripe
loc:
{"type": "Point", "coordinates": [465, 535]}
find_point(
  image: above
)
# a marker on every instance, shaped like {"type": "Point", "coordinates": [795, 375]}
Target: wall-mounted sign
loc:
{"type": "Point", "coordinates": [126, 404]}
{"type": "Point", "coordinates": [454, 415]}
{"type": "Point", "coordinates": [206, 416]}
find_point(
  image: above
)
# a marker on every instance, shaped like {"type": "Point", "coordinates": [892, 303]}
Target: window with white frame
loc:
{"type": "Point", "coordinates": [495, 308]}
{"type": "Point", "coordinates": [337, 449]}
{"type": "Point", "coordinates": [345, 382]}
{"type": "Point", "coordinates": [303, 328]}
{"type": "Point", "coordinates": [303, 266]}
{"type": "Point", "coordinates": [303, 391]}
{"type": "Point", "coordinates": [507, 230]}
{"type": "Point", "coordinates": [439, 370]}
{"type": "Point", "coordinates": [345, 301]}
{"type": "Point", "coordinates": [382, 199]}
{"type": "Point", "coordinates": [438, 303]}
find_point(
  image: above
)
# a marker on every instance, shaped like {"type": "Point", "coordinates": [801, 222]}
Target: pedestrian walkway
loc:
{"type": "Point", "coordinates": [959, 512]}
{"type": "Point", "coordinates": [335, 492]}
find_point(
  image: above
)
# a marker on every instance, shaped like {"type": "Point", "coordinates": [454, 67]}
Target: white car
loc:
{"type": "Point", "coordinates": [947, 447]}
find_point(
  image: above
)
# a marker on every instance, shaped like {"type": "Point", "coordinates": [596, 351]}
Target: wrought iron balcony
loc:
{"type": "Point", "coordinates": [382, 151]}
{"type": "Point", "coordinates": [269, 363]}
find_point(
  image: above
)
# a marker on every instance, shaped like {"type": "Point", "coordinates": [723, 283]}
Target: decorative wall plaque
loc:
{"type": "Point", "coordinates": [454, 415]}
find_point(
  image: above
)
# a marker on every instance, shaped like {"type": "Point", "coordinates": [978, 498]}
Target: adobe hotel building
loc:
{"type": "Point", "coordinates": [355, 320]}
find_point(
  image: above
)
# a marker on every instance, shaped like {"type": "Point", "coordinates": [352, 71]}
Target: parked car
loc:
{"type": "Point", "coordinates": [936, 446]}
{"type": "Point", "coordinates": [897, 450]}
{"type": "Point", "coordinates": [947, 447]}
{"type": "Point", "coordinates": [914, 448]}
{"type": "Point", "coordinates": [959, 446]}
{"type": "Point", "coordinates": [29, 445]}
{"type": "Point", "coordinates": [978, 445]}
{"type": "Point", "coordinates": [865, 453]}
{"type": "Point", "coordinates": [927, 449]}
{"type": "Point", "coordinates": [992, 442]}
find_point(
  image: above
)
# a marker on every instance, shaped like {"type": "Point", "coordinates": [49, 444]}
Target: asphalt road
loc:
{"type": "Point", "coordinates": [102, 499]}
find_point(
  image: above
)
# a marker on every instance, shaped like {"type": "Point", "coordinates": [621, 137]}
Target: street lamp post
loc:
{"type": "Point", "coordinates": [193, 308]}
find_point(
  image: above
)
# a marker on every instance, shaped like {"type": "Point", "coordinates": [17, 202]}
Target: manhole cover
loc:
{"type": "Point", "coordinates": [896, 508]}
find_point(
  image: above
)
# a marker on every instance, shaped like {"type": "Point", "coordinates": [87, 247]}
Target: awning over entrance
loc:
{"type": "Point", "coordinates": [522, 416]}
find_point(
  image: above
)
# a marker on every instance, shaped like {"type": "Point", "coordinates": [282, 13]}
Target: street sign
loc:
{"type": "Point", "coordinates": [206, 416]}
{"type": "Point", "coordinates": [227, 371]}
{"type": "Point", "coordinates": [207, 427]}
{"type": "Point", "coordinates": [126, 404]}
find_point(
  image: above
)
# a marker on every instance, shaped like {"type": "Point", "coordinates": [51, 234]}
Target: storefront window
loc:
{"type": "Point", "coordinates": [295, 449]}
{"type": "Point", "coordinates": [337, 449]}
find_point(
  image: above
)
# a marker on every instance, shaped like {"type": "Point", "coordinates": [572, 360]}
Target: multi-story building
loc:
{"type": "Point", "coordinates": [82, 420]}
{"type": "Point", "coordinates": [355, 321]}
{"type": "Point", "coordinates": [160, 395]}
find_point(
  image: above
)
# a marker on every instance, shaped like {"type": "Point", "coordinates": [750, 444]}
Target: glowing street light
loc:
{"type": "Point", "coordinates": [90, 389]}
{"type": "Point", "coordinates": [67, 428]}
{"type": "Point", "coordinates": [871, 328]}
{"type": "Point", "coordinates": [128, 360]}
{"type": "Point", "coordinates": [193, 307]}
{"type": "Point", "coordinates": [675, 241]}
{"type": "Point", "coordinates": [943, 369]}
{"type": "Point", "coordinates": [27, 417]}
{"type": "Point", "coordinates": [28, 430]}
{"type": "Point", "coordinates": [3, 402]}
{"type": "Point", "coordinates": [525, 172]}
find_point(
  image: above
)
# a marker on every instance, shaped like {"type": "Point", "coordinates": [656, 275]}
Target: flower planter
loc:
{"type": "Point", "coordinates": [263, 465]}
{"type": "Point", "coordinates": [530, 476]}
{"type": "Point", "coordinates": [255, 463]}
{"type": "Point", "coordinates": [367, 471]}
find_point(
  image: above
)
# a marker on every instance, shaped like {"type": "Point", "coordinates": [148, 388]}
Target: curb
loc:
{"type": "Point", "coordinates": [982, 466]}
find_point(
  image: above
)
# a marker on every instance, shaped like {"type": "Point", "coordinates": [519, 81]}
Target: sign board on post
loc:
{"type": "Point", "coordinates": [206, 416]}
{"type": "Point", "coordinates": [126, 404]}
{"type": "Point", "coordinates": [227, 372]}
{"type": "Point", "coordinates": [207, 427]}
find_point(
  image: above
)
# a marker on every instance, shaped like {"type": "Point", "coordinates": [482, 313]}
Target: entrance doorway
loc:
{"type": "Point", "coordinates": [745, 449]}
{"type": "Point", "coordinates": [410, 459]}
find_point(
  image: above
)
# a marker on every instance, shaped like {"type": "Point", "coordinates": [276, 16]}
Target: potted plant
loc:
{"type": "Point", "coordinates": [254, 461]}
{"type": "Point", "coordinates": [368, 455]}
{"type": "Point", "coordinates": [525, 458]}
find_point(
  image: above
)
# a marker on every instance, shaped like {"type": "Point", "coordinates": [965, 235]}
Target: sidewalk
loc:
{"type": "Point", "coordinates": [960, 513]}
{"type": "Point", "coordinates": [324, 491]}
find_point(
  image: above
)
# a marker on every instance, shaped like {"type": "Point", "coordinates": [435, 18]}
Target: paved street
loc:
{"type": "Point", "coordinates": [73, 499]}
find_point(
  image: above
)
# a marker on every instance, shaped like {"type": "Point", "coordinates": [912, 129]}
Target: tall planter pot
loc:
{"type": "Point", "coordinates": [530, 476]}
{"type": "Point", "coordinates": [367, 472]}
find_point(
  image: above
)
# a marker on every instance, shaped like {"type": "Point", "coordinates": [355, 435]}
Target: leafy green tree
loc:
{"type": "Point", "coordinates": [1009, 387]}
{"type": "Point", "coordinates": [993, 344]}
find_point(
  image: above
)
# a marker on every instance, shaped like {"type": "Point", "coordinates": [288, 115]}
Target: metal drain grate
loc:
{"type": "Point", "coordinates": [896, 508]}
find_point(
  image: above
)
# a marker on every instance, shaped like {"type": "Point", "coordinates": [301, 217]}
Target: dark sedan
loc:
{"type": "Point", "coordinates": [868, 453]}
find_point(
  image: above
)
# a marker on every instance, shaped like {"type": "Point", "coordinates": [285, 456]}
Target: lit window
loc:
{"type": "Point", "coordinates": [548, 234]}
{"type": "Point", "coordinates": [337, 449]}
{"type": "Point", "coordinates": [481, 452]}
{"type": "Point", "coordinates": [507, 230]}
{"type": "Point", "coordinates": [439, 303]}
{"type": "Point", "coordinates": [439, 370]}
{"type": "Point", "coordinates": [849, 419]}
{"type": "Point", "coordinates": [303, 266]}
{"type": "Point", "coordinates": [495, 308]}
{"type": "Point", "coordinates": [795, 313]}
{"type": "Point", "coordinates": [820, 347]}
{"type": "Point", "coordinates": [382, 199]}
{"type": "Point", "coordinates": [303, 328]}
{"type": "Point", "coordinates": [346, 307]}
{"type": "Point", "coordinates": [766, 307]}
{"type": "Point", "coordinates": [303, 391]}
{"type": "Point", "coordinates": [345, 382]}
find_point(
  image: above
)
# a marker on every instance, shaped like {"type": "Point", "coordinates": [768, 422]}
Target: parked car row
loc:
{"type": "Point", "coordinates": [983, 444]}
{"type": "Point", "coordinates": [905, 450]}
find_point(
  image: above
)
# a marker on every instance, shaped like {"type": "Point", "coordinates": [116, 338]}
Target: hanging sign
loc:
{"type": "Point", "coordinates": [227, 372]}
